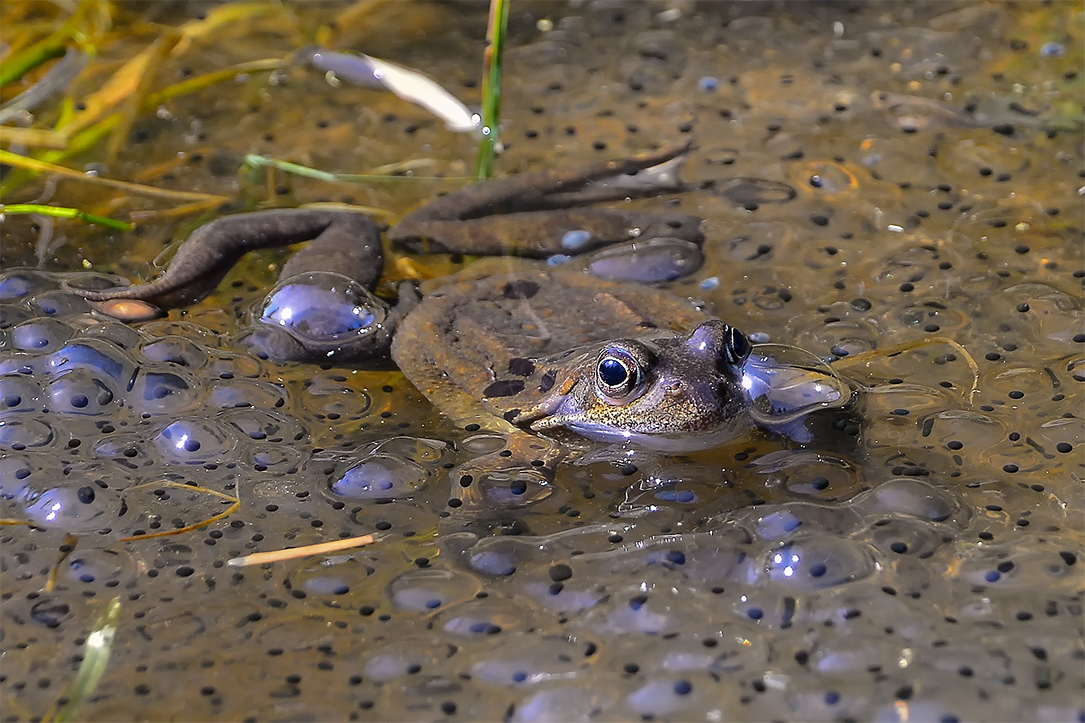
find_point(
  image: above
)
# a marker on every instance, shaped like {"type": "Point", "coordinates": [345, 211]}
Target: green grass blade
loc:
{"type": "Point", "coordinates": [253, 160]}
{"type": "Point", "coordinates": [15, 209]}
{"type": "Point", "coordinates": [41, 52]}
{"type": "Point", "coordinates": [491, 88]}
{"type": "Point", "coordinates": [389, 172]}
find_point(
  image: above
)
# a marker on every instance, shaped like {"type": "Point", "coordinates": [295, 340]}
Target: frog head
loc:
{"type": "Point", "coordinates": [670, 392]}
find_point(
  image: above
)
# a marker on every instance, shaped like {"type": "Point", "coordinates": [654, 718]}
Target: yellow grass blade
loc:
{"type": "Point", "coordinates": [33, 164]}
{"type": "Point", "coordinates": [234, 507]}
{"type": "Point", "coordinates": [34, 137]}
{"type": "Point", "coordinates": [868, 356]}
{"type": "Point", "coordinates": [130, 108]}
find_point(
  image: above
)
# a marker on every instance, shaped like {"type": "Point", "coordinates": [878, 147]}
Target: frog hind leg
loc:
{"type": "Point", "coordinates": [439, 225]}
{"type": "Point", "coordinates": [205, 258]}
{"type": "Point", "coordinates": [529, 191]}
{"type": "Point", "coordinates": [540, 234]}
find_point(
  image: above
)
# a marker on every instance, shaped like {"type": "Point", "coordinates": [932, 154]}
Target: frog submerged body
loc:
{"type": "Point", "coordinates": [520, 348]}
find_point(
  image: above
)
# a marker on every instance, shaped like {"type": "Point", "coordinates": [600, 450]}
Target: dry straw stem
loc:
{"type": "Point", "coordinates": [291, 553]}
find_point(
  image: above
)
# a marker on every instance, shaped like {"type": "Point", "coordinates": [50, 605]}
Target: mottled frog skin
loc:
{"type": "Point", "coordinates": [545, 349]}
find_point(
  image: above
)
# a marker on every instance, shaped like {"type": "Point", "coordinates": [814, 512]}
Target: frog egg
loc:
{"type": "Point", "coordinates": [514, 663]}
{"type": "Point", "coordinates": [97, 356]}
{"type": "Point", "coordinates": [98, 564]}
{"type": "Point", "coordinates": [482, 617]}
{"type": "Point", "coordinates": [80, 391]}
{"type": "Point", "coordinates": [1052, 50]}
{"type": "Point", "coordinates": [175, 350]}
{"type": "Point", "coordinates": [575, 240]}
{"type": "Point", "coordinates": [563, 703]}
{"type": "Point", "coordinates": [819, 563]}
{"type": "Point", "coordinates": [9, 317]}
{"type": "Point", "coordinates": [58, 304]}
{"type": "Point", "coordinates": [163, 392]}
{"type": "Point", "coordinates": [663, 696]}
{"type": "Point", "coordinates": [406, 656]}
{"type": "Point", "coordinates": [425, 589]}
{"type": "Point", "coordinates": [316, 314]}
{"type": "Point", "coordinates": [652, 261]}
{"type": "Point", "coordinates": [19, 284]}
{"type": "Point", "coordinates": [69, 508]}
{"type": "Point", "coordinates": [380, 477]}
{"type": "Point", "coordinates": [20, 434]}
{"type": "Point", "coordinates": [19, 393]}
{"type": "Point", "coordinates": [195, 441]}
{"type": "Point", "coordinates": [42, 334]}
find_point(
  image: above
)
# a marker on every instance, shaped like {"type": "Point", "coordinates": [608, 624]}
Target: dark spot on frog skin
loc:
{"type": "Point", "coordinates": [520, 289]}
{"type": "Point", "coordinates": [547, 381]}
{"type": "Point", "coordinates": [504, 388]}
{"type": "Point", "coordinates": [521, 367]}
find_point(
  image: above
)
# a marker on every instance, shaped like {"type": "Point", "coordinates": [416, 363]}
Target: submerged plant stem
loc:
{"type": "Point", "coordinates": [868, 356]}
{"type": "Point", "coordinates": [96, 654]}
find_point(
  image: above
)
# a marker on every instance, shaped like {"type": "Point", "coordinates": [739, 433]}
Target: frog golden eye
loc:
{"type": "Point", "coordinates": [619, 373]}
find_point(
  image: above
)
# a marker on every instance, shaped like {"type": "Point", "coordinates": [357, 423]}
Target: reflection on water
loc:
{"type": "Point", "coordinates": [882, 172]}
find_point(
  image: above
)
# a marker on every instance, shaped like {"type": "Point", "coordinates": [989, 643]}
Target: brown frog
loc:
{"type": "Point", "coordinates": [516, 347]}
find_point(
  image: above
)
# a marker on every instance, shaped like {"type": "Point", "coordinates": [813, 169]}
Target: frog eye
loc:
{"type": "Point", "coordinates": [738, 346]}
{"type": "Point", "coordinates": [618, 372]}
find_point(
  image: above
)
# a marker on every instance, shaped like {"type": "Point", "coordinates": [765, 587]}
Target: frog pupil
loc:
{"type": "Point", "coordinates": [738, 347]}
{"type": "Point", "coordinates": [612, 372]}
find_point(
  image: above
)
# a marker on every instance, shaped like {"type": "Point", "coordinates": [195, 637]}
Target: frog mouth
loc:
{"type": "Point", "coordinates": [546, 414]}
{"type": "Point", "coordinates": [667, 443]}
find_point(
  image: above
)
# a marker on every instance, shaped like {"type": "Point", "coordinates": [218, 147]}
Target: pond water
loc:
{"type": "Point", "coordinates": [882, 172]}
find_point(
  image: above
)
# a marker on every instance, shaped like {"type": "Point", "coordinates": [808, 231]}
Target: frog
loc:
{"type": "Point", "coordinates": [541, 356]}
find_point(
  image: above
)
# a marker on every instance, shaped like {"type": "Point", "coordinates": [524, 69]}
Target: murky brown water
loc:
{"type": "Point", "coordinates": [919, 560]}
